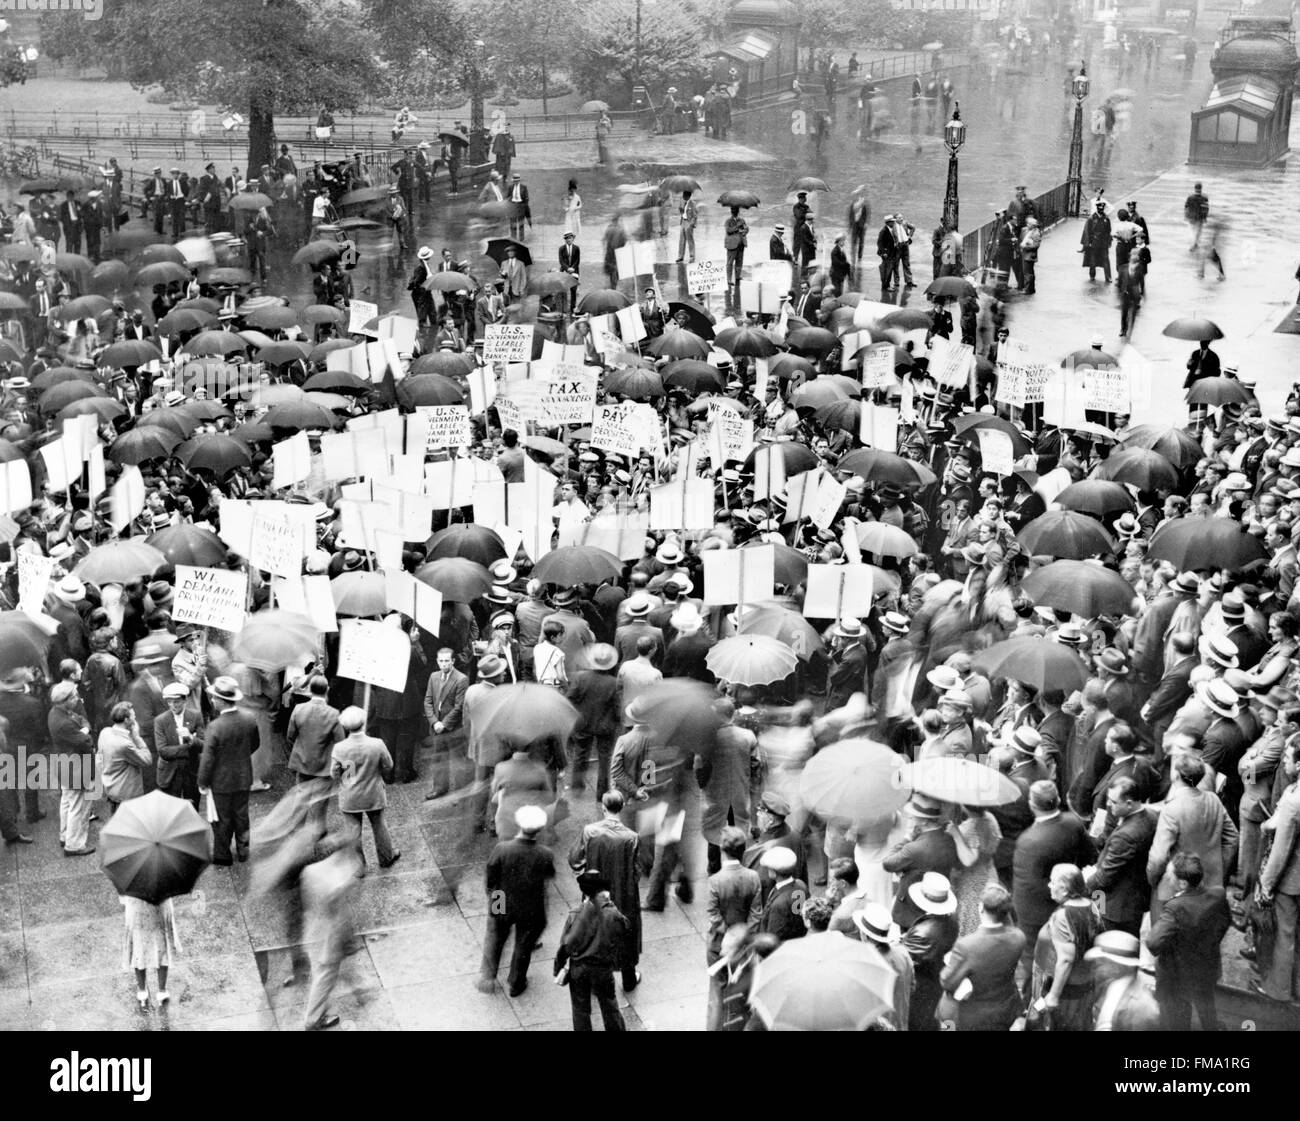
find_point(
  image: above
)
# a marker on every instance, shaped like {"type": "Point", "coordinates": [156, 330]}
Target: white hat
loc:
{"type": "Point", "coordinates": [530, 819]}
{"type": "Point", "coordinates": [873, 922]}
{"type": "Point", "coordinates": [425, 253]}
{"type": "Point", "coordinates": [779, 859]}
{"type": "Point", "coordinates": [933, 894]}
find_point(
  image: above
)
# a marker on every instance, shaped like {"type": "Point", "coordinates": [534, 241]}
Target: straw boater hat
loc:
{"type": "Point", "coordinates": [602, 656]}
{"type": "Point", "coordinates": [780, 860]}
{"type": "Point", "coordinates": [933, 894]}
{"type": "Point", "coordinates": [1219, 651]}
{"type": "Point", "coordinates": [1025, 740]}
{"type": "Point", "coordinates": [923, 807]}
{"type": "Point", "coordinates": [1218, 696]}
{"type": "Point", "coordinates": [226, 689]}
{"type": "Point", "coordinates": [873, 923]}
{"type": "Point", "coordinates": [1116, 946]}
{"type": "Point", "coordinates": [848, 628]}
{"type": "Point", "coordinates": [944, 678]}
{"type": "Point", "coordinates": [895, 622]}
{"type": "Point", "coordinates": [639, 605]}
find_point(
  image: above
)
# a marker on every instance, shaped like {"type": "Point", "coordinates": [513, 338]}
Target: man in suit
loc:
{"type": "Point", "coordinates": [638, 626]}
{"type": "Point", "coordinates": [1121, 745]}
{"type": "Point", "coordinates": [520, 211]}
{"type": "Point", "coordinates": [25, 725]}
{"type": "Point", "coordinates": [1279, 882]}
{"type": "Point", "coordinates": [887, 251]}
{"type": "Point", "coordinates": [782, 910]}
{"type": "Point", "coordinates": [571, 265]}
{"type": "Point", "coordinates": [489, 307]}
{"type": "Point", "coordinates": [987, 958]}
{"type": "Point", "coordinates": [208, 194]}
{"type": "Point", "coordinates": [1152, 628]}
{"type": "Point", "coordinates": [1185, 941]}
{"type": "Point", "coordinates": [313, 731]}
{"type": "Point", "coordinates": [609, 848]}
{"type": "Point", "coordinates": [927, 849]}
{"type": "Point", "coordinates": [927, 942]}
{"type": "Point", "coordinates": [848, 663]}
{"type": "Point", "coordinates": [226, 768]}
{"type": "Point", "coordinates": [177, 193]}
{"type": "Point", "coordinates": [776, 248]}
{"type": "Point", "coordinates": [361, 766]}
{"type": "Point", "coordinates": [1173, 689]}
{"type": "Point", "coordinates": [178, 737]}
{"type": "Point", "coordinates": [397, 717]}
{"type": "Point", "coordinates": [773, 832]}
{"type": "Point", "coordinates": [1120, 873]}
{"type": "Point", "coordinates": [687, 652]}
{"type": "Point", "coordinates": [652, 315]}
{"type": "Point", "coordinates": [94, 218]}
{"type": "Point", "coordinates": [689, 217]}
{"type": "Point", "coordinates": [1089, 760]}
{"type": "Point", "coordinates": [421, 297]}
{"type": "Point", "coordinates": [1191, 821]}
{"type": "Point", "coordinates": [735, 899]}
{"type": "Point", "coordinates": [444, 704]}
{"type": "Point", "coordinates": [515, 275]}
{"type": "Point", "coordinates": [1224, 743]}
{"type": "Point", "coordinates": [875, 928]}
{"type": "Point", "coordinates": [1013, 818]}
{"type": "Point", "coordinates": [1054, 734]}
{"type": "Point", "coordinates": [155, 193]}
{"type": "Point", "coordinates": [1054, 838]}
{"type": "Point", "coordinates": [503, 151]}
{"type": "Point", "coordinates": [1124, 1001]}
{"type": "Point", "coordinates": [69, 734]}
{"type": "Point", "coordinates": [70, 219]}
{"type": "Point", "coordinates": [807, 302]}
{"type": "Point", "coordinates": [593, 691]}
{"type": "Point", "coordinates": [517, 874]}
{"type": "Point", "coordinates": [146, 694]}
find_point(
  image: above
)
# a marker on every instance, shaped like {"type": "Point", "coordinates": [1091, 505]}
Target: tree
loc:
{"type": "Point", "coordinates": [671, 50]}
{"type": "Point", "coordinates": [426, 45]}
{"type": "Point", "coordinates": [262, 57]}
{"type": "Point", "coordinates": [528, 37]}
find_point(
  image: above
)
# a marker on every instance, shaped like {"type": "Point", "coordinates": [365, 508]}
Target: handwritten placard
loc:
{"type": "Point", "coordinates": [997, 456]}
{"type": "Point", "coordinates": [837, 591]}
{"type": "Point", "coordinates": [276, 542]}
{"type": "Point", "coordinates": [508, 342]}
{"type": "Point", "coordinates": [211, 597]}
{"type": "Point", "coordinates": [706, 278]}
{"type": "Point", "coordinates": [448, 426]}
{"type": "Point", "coordinates": [739, 575]}
{"type": "Point", "coordinates": [374, 653]}
{"type": "Point", "coordinates": [360, 313]}
{"type": "Point", "coordinates": [878, 366]}
{"type": "Point", "coordinates": [616, 428]}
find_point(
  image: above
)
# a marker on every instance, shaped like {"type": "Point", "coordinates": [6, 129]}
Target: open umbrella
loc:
{"type": "Point", "coordinates": [172, 420]}
{"type": "Point", "coordinates": [844, 416]}
{"type": "Point", "coordinates": [470, 541]}
{"type": "Point", "coordinates": [155, 847]}
{"type": "Point", "coordinates": [360, 593]}
{"type": "Point", "coordinates": [963, 782]}
{"type": "Point", "coordinates": [1036, 661]}
{"type": "Point", "coordinates": [1092, 358]}
{"type": "Point", "coordinates": [808, 183]}
{"type": "Point", "coordinates": [215, 343]}
{"type": "Point", "coordinates": [427, 389]}
{"type": "Point", "coordinates": [967, 430]}
{"type": "Point", "coordinates": [18, 251]}
{"type": "Point", "coordinates": [698, 318]}
{"type": "Point", "coordinates": [679, 344]}
{"type": "Point", "coordinates": [59, 397]}
{"type": "Point", "coordinates": [1084, 588]}
{"type": "Point", "coordinates": [272, 640]}
{"type": "Point", "coordinates": [179, 320]}
{"type": "Point", "coordinates": [273, 318]}
{"type": "Point", "coordinates": [105, 408]}
{"type": "Point", "coordinates": [319, 352]}
{"type": "Point", "coordinates": [949, 287]}
{"type": "Point", "coordinates": [336, 381]}
{"type": "Point", "coordinates": [751, 659]}
{"type": "Point", "coordinates": [161, 272]}
{"type": "Point", "coordinates": [1146, 470]}
{"type": "Point", "coordinates": [496, 249]}
{"type": "Point", "coordinates": [1065, 534]}
{"type": "Point", "coordinates": [822, 982]}
{"type": "Point", "coordinates": [1193, 544]}
{"type": "Point", "coordinates": [742, 199]}
{"type": "Point", "coordinates": [71, 262]}
{"type": "Point", "coordinates": [602, 301]}
{"type": "Point", "coordinates": [216, 452]}
{"type": "Point", "coordinates": [817, 394]}
{"type": "Point", "coordinates": [445, 363]}
{"type": "Point", "coordinates": [301, 414]}
{"type": "Point", "coordinates": [907, 319]}
{"type": "Point", "coordinates": [450, 136]}
{"type": "Point", "coordinates": [1219, 391]}
{"type": "Point", "coordinates": [812, 340]}
{"type": "Point", "coordinates": [1177, 445]}
{"type": "Point", "coordinates": [855, 780]}
{"type": "Point", "coordinates": [577, 564]}
{"type": "Point", "coordinates": [139, 445]}
{"type": "Point", "coordinates": [323, 313]}
{"type": "Point", "coordinates": [363, 194]}
{"type": "Point", "coordinates": [885, 541]}
{"type": "Point", "coordinates": [189, 544]}
{"type": "Point", "coordinates": [1097, 497]}
{"type": "Point", "coordinates": [449, 282]}
{"type": "Point", "coordinates": [878, 467]}
{"type": "Point", "coordinates": [60, 375]}
{"type": "Point", "coordinates": [786, 366]}
{"type": "Point", "coordinates": [693, 376]}
{"type": "Point", "coordinates": [782, 623]}
{"type": "Point", "coordinates": [204, 411]}
{"type": "Point", "coordinates": [251, 200]}
{"type": "Point", "coordinates": [159, 254]}
{"type": "Point", "coordinates": [199, 303]}
{"type": "Point", "coordinates": [128, 354]}
{"type": "Point", "coordinates": [120, 562]}
{"type": "Point", "coordinates": [746, 342]}
{"type": "Point", "coordinates": [459, 580]}
{"type": "Point", "coordinates": [85, 307]}
{"type": "Point", "coordinates": [634, 384]}
{"type": "Point", "coordinates": [316, 253]}
{"type": "Point", "coordinates": [252, 432]}
{"type": "Point", "coordinates": [676, 184]}
{"type": "Point", "coordinates": [524, 712]}
{"type": "Point", "coordinates": [551, 284]}
{"type": "Point", "coordinates": [22, 641]}
{"type": "Point", "coordinates": [681, 712]}
{"type": "Point", "coordinates": [1193, 329]}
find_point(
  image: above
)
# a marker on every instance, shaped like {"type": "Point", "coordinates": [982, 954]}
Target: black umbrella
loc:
{"type": "Point", "coordinates": [742, 199]}
{"type": "Point", "coordinates": [1193, 329]}
{"type": "Point", "coordinates": [678, 344]}
{"type": "Point", "coordinates": [602, 301]}
{"type": "Point", "coordinates": [316, 253]}
{"type": "Point", "coordinates": [497, 246]}
{"type": "Point", "coordinates": [155, 847]}
{"type": "Point", "coordinates": [694, 376]}
{"type": "Point", "coordinates": [1193, 544]}
{"type": "Point", "coordinates": [471, 542]}
{"type": "Point", "coordinates": [699, 319]}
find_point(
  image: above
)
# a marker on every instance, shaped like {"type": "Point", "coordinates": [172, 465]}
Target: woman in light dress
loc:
{"type": "Point", "coordinates": [150, 943]}
{"type": "Point", "coordinates": [977, 840]}
{"type": "Point", "coordinates": [573, 210]}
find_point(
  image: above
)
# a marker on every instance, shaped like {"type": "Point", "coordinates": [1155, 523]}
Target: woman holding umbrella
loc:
{"type": "Point", "coordinates": [150, 943]}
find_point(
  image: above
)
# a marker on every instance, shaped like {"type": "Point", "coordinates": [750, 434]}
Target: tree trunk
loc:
{"type": "Point", "coordinates": [543, 85]}
{"type": "Point", "coordinates": [261, 133]}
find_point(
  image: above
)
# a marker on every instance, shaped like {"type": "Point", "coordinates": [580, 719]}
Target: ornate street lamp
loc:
{"type": "Point", "coordinates": [478, 139]}
{"type": "Point", "coordinates": [1074, 177]}
{"type": "Point", "coordinates": [954, 136]}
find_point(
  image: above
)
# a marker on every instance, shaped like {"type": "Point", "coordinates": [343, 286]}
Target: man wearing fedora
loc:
{"type": "Point", "coordinates": [1149, 639]}
{"type": "Point", "coordinates": [1120, 874]}
{"type": "Point", "coordinates": [874, 928]}
{"type": "Point", "coordinates": [25, 726]}
{"type": "Point", "coordinates": [1224, 743]}
{"type": "Point", "coordinates": [927, 942]}
{"type": "Point", "coordinates": [226, 768]}
{"type": "Point", "coordinates": [626, 637]}
{"type": "Point", "coordinates": [1123, 751]}
{"type": "Point", "coordinates": [773, 831]}
{"type": "Point", "coordinates": [146, 694]}
{"type": "Point", "coordinates": [578, 635]}
{"type": "Point", "coordinates": [848, 661]}
{"type": "Point", "coordinates": [444, 710]}
{"type": "Point", "coordinates": [1173, 690]}
{"type": "Point", "coordinates": [1124, 1000]}
{"type": "Point", "coordinates": [593, 691]}
{"type": "Point", "coordinates": [516, 877]}
{"type": "Point", "coordinates": [1192, 820]}
{"type": "Point", "coordinates": [687, 653]}
{"type": "Point", "coordinates": [1185, 941]}
{"type": "Point", "coordinates": [927, 849]}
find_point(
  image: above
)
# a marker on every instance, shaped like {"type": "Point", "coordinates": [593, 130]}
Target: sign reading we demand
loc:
{"type": "Point", "coordinates": [39, 770]}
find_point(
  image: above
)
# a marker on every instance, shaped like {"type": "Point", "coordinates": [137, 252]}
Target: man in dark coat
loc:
{"type": "Point", "coordinates": [591, 946]}
{"type": "Point", "coordinates": [928, 849]}
{"type": "Point", "coordinates": [226, 768]}
{"type": "Point", "coordinates": [517, 874]}
{"type": "Point", "coordinates": [178, 738]}
{"type": "Point", "coordinates": [1185, 941]}
{"type": "Point", "coordinates": [421, 297]}
{"type": "Point", "coordinates": [840, 268]}
{"type": "Point", "coordinates": [848, 663]}
{"type": "Point", "coordinates": [783, 908]}
{"type": "Point", "coordinates": [571, 265]}
{"type": "Point", "coordinates": [70, 218]}
{"type": "Point", "coordinates": [1095, 240]}
{"type": "Point", "coordinates": [146, 694]}
{"type": "Point", "coordinates": [609, 847]}
{"type": "Point", "coordinates": [987, 958]}
{"type": "Point", "coordinates": [928, 941]}
{"type": "Point", "coordinates": [1203, 363]}
{"type": "Point", "coordinates": [398, 718]}
{"type": "Point", "coordinates": [686, 654]}
{"type": "Point", "coordinates": [444, 710]}
{"type": "Point", "coordinates": [26, 727]}
{"type": "Point", "coordinates": [1174, 687]}
{"type": "Point", "coordinates": [593, 691]}
{"type": "Point", "coordinates": [776, 249]}
{"type": "Point", "coordinates": [1120, 874]}
{"type": "Point", "coordinates": [774, 832]}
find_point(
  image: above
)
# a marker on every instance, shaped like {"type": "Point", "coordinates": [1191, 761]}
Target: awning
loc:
{"type": "Point", "coordinates": [1246, 93]}
{"type": "Point", "coordinates": [746, 46]}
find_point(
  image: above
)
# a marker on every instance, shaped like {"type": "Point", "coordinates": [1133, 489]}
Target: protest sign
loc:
{"type": "Point", "coordinates": [82, 433]}
{"type": "Point", "coordinates": [374, 653]}
{"type": "Point", "coordinates": [878, 366]}
{"type": "Point", "coordinates": [63, 461]}
{"type": "Point", "coordinates": [33, 581]}
{"type": "Point", "coordinates": [508, 342]}
{"type": "Point", "coordinates": [801, 493]}
{"type": "Point", "coordinates": [604, 336]}
{"type": "Point", "coordinates": [402, 329]}
{"type": "Point", "coordinates": [361, 313]}
{"type": "Point", "coordinates": [826, 503]}
{"type": "Point", "coordinates": [762, 299]}
{"type": "Point", "coordinates": [739, 575]}
{"type": "Point", "coordinates": [449, 483]}
{"type": "Point", "coordinates": [706, 278]}
{"type": "Point", "coordinates": [571, 394]}
{"type": "Point", "coordinates": [236, 530]}
{"type": "Point", "coordinates": [682, 504]}
{"type": "Point", "coordinates": [276, 545]}
{"type": "Point", "coordinates": [730, 435]}
{"type": "Point", "coordinates": [482, 389]}
{"type": "Point", "coordinates": [404, 593]}
{"type": "Point", "coordinates": [635, 259]}
{"type": "Point", "coordinates": [951, 364]}
{"type": "Point", "coordinates": [1012, 366]}
{"type": "Point", "coordinates": [15, 485]}
{"type": "Point", "coordinates": [291, 461]}
{"type": "Point", "coordinates": [211, 597]}
{"type": "Point", "coordinates": [96, 482]}
{"type": "Point", "coordinates": [631, 326]}
{"type": "Point", "coordinates": [837, 591]}
{"type": "Point", "coordinates": [349, 360]}
{"type": "Point", "coordinates": [388, 427]}
{"type": "Point", "coordinates": [307, 595]}
{"type": "Point", "coordinates": [879, 427]}
{"type": "Point", "coordinates": [562, 354]}
{"type": "Point", "coordinates": [448, 426]}
{"type": "Point", "coordinates": [772, 273]}
{"type": "Point", "coordinates": [996, 454]}
{"type": "Point", "coordinates": [760, 380]}
{"type": "Point", "coordinates": [411, 514]}
{"type": "Point", "coordinates": [1106, 390]}
{"type": "Point", "coordinates": [615, 428]}
{"type": "Point", "coordinates": [126, 499]}
{"type": "Point", "coordinates": [769, 471]}
{"type": "Point", "coordinates": [850, 343]}
{"type": "Point", "coordinates": [621, 534]}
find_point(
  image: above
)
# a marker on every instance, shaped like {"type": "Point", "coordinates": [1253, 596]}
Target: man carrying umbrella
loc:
{"type": "Point", "coordinates": [735, 237]}
{"type": "Point", "coordinates": [226, 768]}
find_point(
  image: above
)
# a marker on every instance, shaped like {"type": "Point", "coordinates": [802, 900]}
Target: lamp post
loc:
{"type": "Point", "coordinates": [954, 136]}
{"type": "Point", "coordinates": [477, 133]}
{"type": "Point", "coordinates": [1074, 177]}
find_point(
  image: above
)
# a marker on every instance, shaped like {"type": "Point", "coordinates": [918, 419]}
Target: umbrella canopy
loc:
{"type": "Point", "coordinates": [316, 253]}
{"type": "Point", "coordinates": [470, 541]}
{"type": "Point", "coordinates": [855, 780]}
{"type": "Point", "coordinates": [251, 200]}
{"type": "Point", "coordinates": [155, 847]}
{"type": "Point", "coordinates": [336, 381]}
{"type": "Point", "coordinates": [189, 544]}
{"type": "Point", "coordinates": [449, 282]}
{"type": "Point", "coordinates": [602, 301]}
{"type": "Point", "coordinates": [1194, 544]}
{"type": "Point", "coordinates": [179, 320]}
{"type": "Point", "coordinates": [427, 389]}
{"type": "Point", "coordinates": [951, 287]}
{"type": "Point", "coordinates": [1065, 534]}
{"type": "Point", "coordinates": [883, 540]}
{"type": "Point", "coordinates": [161, 272]}
{"type": "Point", "coordinates": [159, 254]}
{"type": "Point", "coordinates": [139, 445]}
{"type": "Point", "coordinates": [22, 642]}
{"type": "Point", "coordinates": [459, 580]}
{"type": "Point", "coordinates": [1036, 661]}
{"type": "Point", "coordinates": [676, 184]}
{"type": "Point", "coordinates": [681, 712]}
{"type": "Point", "coordinates": [698, 318]}
{"type": "Point", "coordinates": [786, 366]}
{"type": "Point", "coordinates": [822, 982]}
{"type": "Point", "coordinates": [173, 420]}
{"type": "Point", "coordinates": [635, 384]}
{"type": "Point", "coordinates": [272, 640]}
{"type": "Point", "coordinates": [1146, 470]}
{"type": "Point", "coordinates": [1177, 445]}
{"type": "Point", "coordinates": [1082, 587]}
{"type": "Point", "coordinates": [320, 350]}
{"type": "Point", "coordinates": [694, 376]}
{"type": "Point", "coordinates": [199, 303]}
{"type": "Point", "coordinates": [967, 429]}
{"type": "Point", "coordinates": [746, 342]}
{"type": "Point", "coordinates": [796, 457]}
{"type": "Point", "coordinates": [71, 262]}
{"type": "Point", "coordinates": [120, 562]}
{"type": "Point", "coordinates": [84, 307]}
{"type": "Point", "coordinates": [105, 408]}
{"type": "Point", "coordinates": [812, 340]}
{"type": "Point", "coordinates": [360, 593]}
{"type": "Point", "coordinates": [524, 712]}
{"type": "Point", "coordinates": [59, 375]}
{"type": "Point", "coordinates": [301, 414]}
{"type": "Point", "coordinates": [817, 394]}
{"type": "Point", "coordinates": [782, 623]}
{"type": "Point", "coordinates": [548, 284]}
{"type": "Point", "coordinates": [908, 319]}
{"type": "Point", "coordinates": [252, 432]}
{"type": "Point", "coordinates": [59, 397]}
{"type": "Point", "coordinates": [127, 354]}
{"type": "Point", "coordinates": [1219, 391]}
{"type": "Point", "coordinates": [742, 199]}
{"type": "Point", "coordinates": [963, 782]}
{"type": "Point", "coordinates": [497, 246]}
{"type": "Point", "coordinates": [323, 313]}
{"type": "Point", "coordinates": [845, 416]}
{"type": "Point", "coordinates": [1097, 497]}
{"type": "Point", "coordinates": [273, 318]}
{"type": "Point", "coordinates": [679, 344]}
{"type": "Point", "coordinates": [878, 467]}
{"type": "Point", "coordinates": [216, 452]}
{"type": "Point", "coordinates": [751, 659]}
{"type": "Point", "coordinates": [215, 343]}
{"type": "Point", "coordinates": [577, 564]}
{"type": "Point", "coordinates": [204, 410]}
{"type": "Point", "coordinates": [1193, 329]}
{"type": "Point", "coordinates": [1092, 358]}
{"type": "Point", "coordinates": [445, 363]}
{"type": "Point", "coordinates": [808, 183]}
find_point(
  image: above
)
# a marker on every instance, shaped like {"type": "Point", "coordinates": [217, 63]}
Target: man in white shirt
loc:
{"type": "Point", "coordinates": [637, 675]}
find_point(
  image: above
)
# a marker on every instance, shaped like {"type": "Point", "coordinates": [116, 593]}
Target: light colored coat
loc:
{"type": "Point", "coordinates": [1192, 821]}
{"type": "Point", "coordinates": [359, 763]}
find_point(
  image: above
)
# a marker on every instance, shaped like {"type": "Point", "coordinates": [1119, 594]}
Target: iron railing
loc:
{"type": "Point", "coordinates": [1052, 207]}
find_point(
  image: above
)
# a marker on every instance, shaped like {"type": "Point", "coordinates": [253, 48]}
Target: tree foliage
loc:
{"type": "Point", "coordinates": [606, 64]}
{"type": "Point", "coordinates": [528, 39]}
